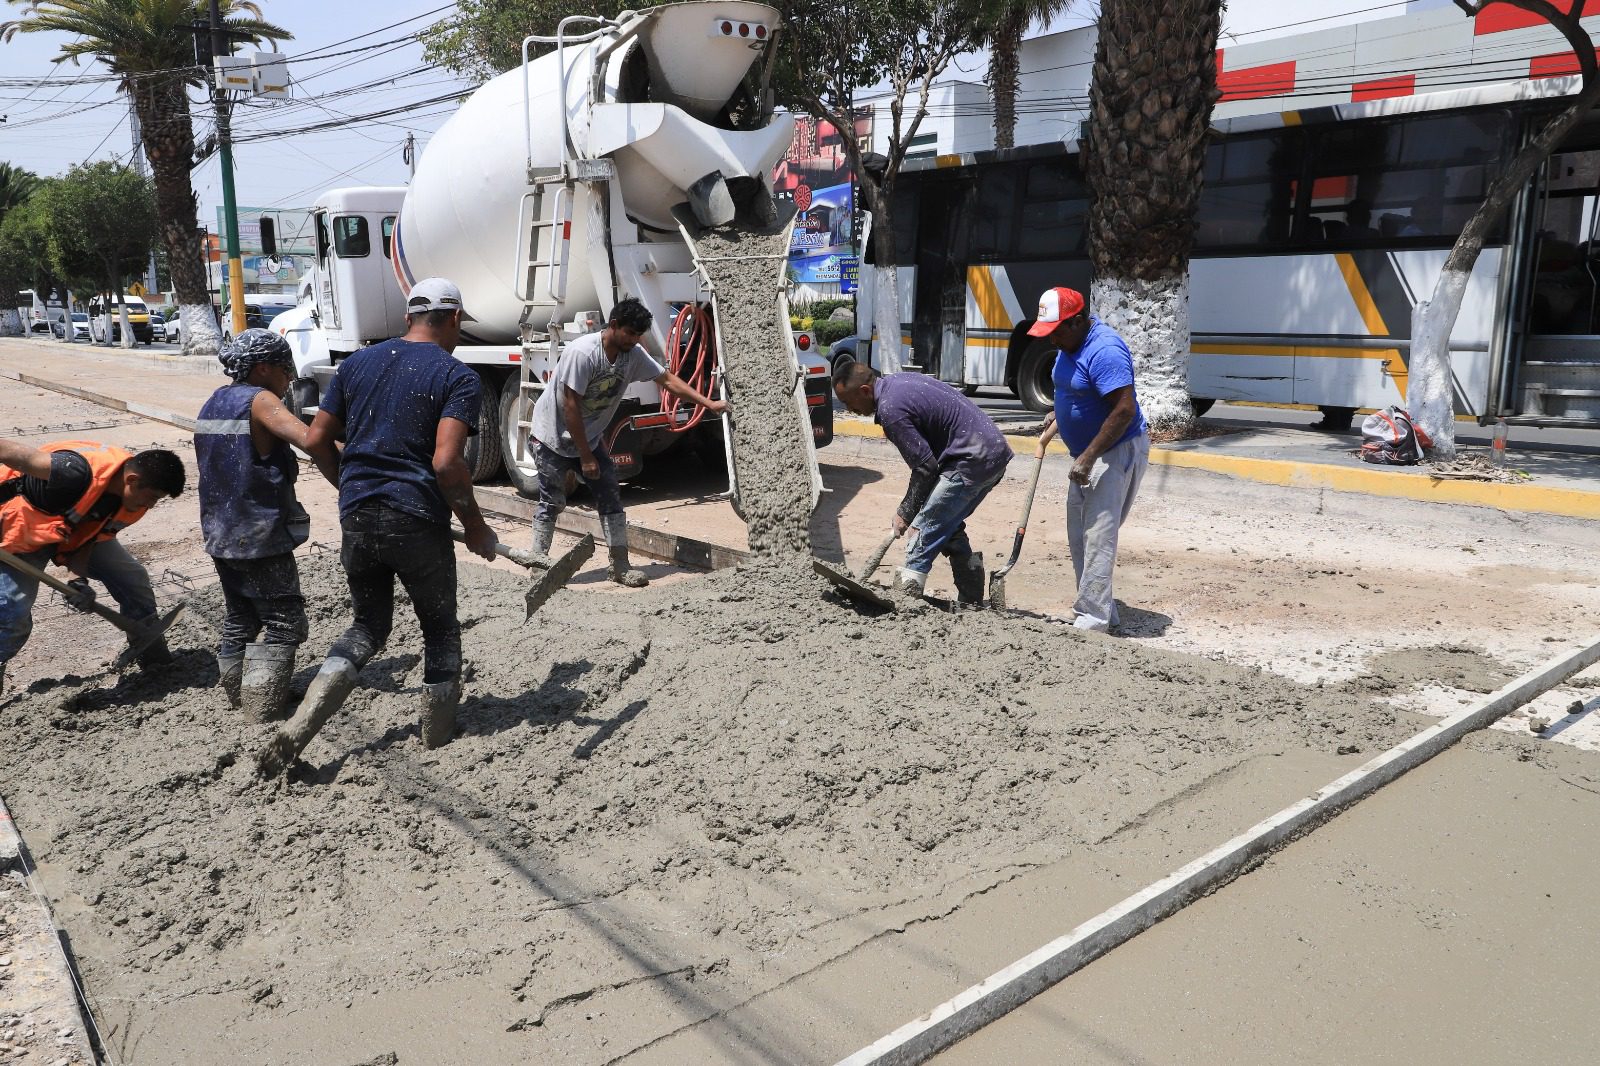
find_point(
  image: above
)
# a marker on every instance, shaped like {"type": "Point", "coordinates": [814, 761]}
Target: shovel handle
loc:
{"type": "Point", "coordinates": [871, 565]}
{"type": "Point", "coordinates": [24, 567]}
{"type": "Point", "coordinates": [506, 551]}
{"type": "Point", "coordinates": [1022, 524]}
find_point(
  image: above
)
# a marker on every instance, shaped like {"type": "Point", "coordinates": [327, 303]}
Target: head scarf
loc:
{"type": "Point", "coordinates": [253, 346]}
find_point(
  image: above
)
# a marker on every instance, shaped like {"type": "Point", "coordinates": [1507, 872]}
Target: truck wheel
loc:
{"type": "Point", "coordinates": [525, 484]}
{"type": "Point", "coordinates": [483, 447]}
{"type": "Point", "coordinates": [1034, 387]}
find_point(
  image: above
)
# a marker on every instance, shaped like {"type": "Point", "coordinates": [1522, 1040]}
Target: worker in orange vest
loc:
{"type": "Point", "coordinates": [65, 503]}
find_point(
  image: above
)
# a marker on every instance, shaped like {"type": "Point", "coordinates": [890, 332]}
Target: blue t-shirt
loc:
{"type": "Point", "coordinates": [1084, 378]}
{"type": "Point", "coordinates": [390, 397]}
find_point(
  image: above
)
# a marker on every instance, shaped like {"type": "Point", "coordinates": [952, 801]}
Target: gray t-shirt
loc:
{"type": "Point", "coordinates": [585, 370]}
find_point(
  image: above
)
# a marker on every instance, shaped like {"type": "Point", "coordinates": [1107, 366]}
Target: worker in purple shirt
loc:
{"type": "Point", "coordinates": [1104, 430]}
{"type": "Point", "coordinates": [956, 455]}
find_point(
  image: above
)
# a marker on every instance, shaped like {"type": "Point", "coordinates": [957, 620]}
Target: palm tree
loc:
{"type": "Point", "coordinates": [1005, 47]}
{"type": "Point", "coordinates": [1155, 83]}
{"type": "Point", "coordinates": [16, 185]}
{"type": "Point", "coordinates": [149, 45]}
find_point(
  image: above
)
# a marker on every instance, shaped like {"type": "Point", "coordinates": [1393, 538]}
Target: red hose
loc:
{"type": "Point", "coordinates": [691, 356]}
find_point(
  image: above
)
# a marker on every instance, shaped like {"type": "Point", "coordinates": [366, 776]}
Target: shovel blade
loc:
{"type": "Point", "coordinates": [856, 590]}
{"type": "Point", "coordinates": [151, 630]}
{"type": "Point", "coordinates": [556, 578]}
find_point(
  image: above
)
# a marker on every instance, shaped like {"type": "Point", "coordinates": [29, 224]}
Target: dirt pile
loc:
{"type": "Point", "coordinates": [769, 440]}
{"type": "Point", "coordinates": [714, 786]}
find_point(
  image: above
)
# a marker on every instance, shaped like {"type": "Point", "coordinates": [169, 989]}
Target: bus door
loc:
{"type": "Point", "coordinates": [939, 314]}
{"type": "Point", "coordinates": [1558, 374]}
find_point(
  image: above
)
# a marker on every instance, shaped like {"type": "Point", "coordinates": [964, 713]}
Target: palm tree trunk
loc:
{"type": "Point", "coordinates": [1004, 80]}
{"type": "Point", "coordinates": [168, 136]}
{"type": "Point", "coordinates": [1150, 108]}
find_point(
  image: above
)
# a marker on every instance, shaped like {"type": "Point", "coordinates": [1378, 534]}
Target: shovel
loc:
{"type": "Point", "coordinates": [856, 587]}
{"type": "Point", "coordinates": [141, 632]}
{"type": "Point", "coordinates": [555, 572]}
{"type": "Point", "coordinates": [997, 580]}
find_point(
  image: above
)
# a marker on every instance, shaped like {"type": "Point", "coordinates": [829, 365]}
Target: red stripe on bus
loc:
{"type": "Point", "coordinates": [1497, 18]}
{"type": "Point", "coordinates": [1555, 65]}
{"type": "Point", "coordinates": [1384, 88]}
{"type": "Point", "coordinates": [1253, 83]}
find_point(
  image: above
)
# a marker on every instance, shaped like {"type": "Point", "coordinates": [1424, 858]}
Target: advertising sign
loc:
{"type": "Point", "coordinates": [815, 174]}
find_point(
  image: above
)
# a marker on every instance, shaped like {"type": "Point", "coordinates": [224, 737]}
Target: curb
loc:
{"type": "Point", "coordinates": [132, 407]}
{"type": "Point", "coordinates": [1290, 473]}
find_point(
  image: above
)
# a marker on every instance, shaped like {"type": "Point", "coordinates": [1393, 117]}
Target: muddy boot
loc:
{"type": "Point", "coordinates": [325, 696]}
{"type": "Point", "coordinates": [615, 528]}
{"type": "Point", "coordinates": [967, 570]}
{"type": "Point", "coordinates": [157, 654]}
{"type": "Point", "coordinates": [908, 588]}
{"type": "Point", "coordinates": [230, 669]}
{"type": "Point", "coordinates": [544, 534]}
{"type": "Point", "coordinates": [439, 712]}
{"type": "Point", "coordinates": [264, 692]}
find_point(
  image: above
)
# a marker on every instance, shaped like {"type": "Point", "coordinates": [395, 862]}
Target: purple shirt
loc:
{"type": "Point", "coordinates": [938, 430]}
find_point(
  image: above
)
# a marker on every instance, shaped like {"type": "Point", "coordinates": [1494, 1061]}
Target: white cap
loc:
{"type": "Point", "coordinates": [433, 294]}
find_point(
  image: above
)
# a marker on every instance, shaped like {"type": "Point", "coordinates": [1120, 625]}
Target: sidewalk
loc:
{"type": "Point", "coordinates": [171, 388]}
{"type": "Point", "coordinates": [1564, 482]}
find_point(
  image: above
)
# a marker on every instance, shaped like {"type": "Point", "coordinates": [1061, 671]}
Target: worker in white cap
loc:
{"type": "Point", "coordinates": [405, 409]}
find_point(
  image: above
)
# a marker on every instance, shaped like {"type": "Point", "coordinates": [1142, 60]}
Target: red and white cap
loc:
{"type": "Point", "coordinates": [1055, 307]}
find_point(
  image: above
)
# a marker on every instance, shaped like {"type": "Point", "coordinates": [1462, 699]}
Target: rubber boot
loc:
{"type": "Point", "coordinates": [544, 534]}
{"type": "Point", "coordinates": [157, 654]}
{"type": "Point", "coordinates": [230, 669]}
{"type": "Point", "coordinates": [264, 692]}
{"type": "Point", "coordinates": [439, 712]}
{"type": "Point", "coordinates": [908, 588]}
{"type": "Point", "coordinates": [967, 570]}
{"type": "Point", "coordinates": [615, 528]}
{"type": "Point", "coordinates": [325, 696]}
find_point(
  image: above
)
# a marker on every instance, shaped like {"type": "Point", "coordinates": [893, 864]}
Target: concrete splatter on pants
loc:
{"type": "Point", "coordinates": [110, 564]}
{"type": "Point", "coordinates": [553, 468]}
{"type": "Point", "coordinates": [941, 525]}
{"type": "Point", "coordinates": [381, 544]}
{"type": "Point", "coordinates": [261, 594]}
{"type": "Point", "coordinates": [1095, 513]}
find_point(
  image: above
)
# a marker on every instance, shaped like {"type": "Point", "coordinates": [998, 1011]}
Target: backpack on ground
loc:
{"type": "Point", "coordinates": [1390, 438]}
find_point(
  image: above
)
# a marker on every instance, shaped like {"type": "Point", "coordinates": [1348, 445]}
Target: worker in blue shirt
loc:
{"type": "Point", "coordinates": [1104, 430]}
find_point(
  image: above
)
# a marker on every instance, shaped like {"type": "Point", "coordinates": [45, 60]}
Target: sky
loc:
{"type": "Point", "coordinates": [59, 121]}
{"type": "Point", "coordinates": [285, 172]}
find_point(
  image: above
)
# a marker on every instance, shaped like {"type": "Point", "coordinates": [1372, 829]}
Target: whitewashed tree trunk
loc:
{"type": "Point", "coordinates": [887, 350]}
{"type": "Point", "coordinates": [200, 333]}
{"type": "Point", "coordinates": [1430, 396]}
{"type": "Point", "coordinates": [122, 321]}
{"type": "Point", "coordinates": [10, 323]}
{"type": "Point", "coordinates": [1153, 318]}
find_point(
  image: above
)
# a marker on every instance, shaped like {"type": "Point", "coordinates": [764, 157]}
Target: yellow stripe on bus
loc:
{"type": "Point", "coordinates": [1368, 307]}
{"type": "Point", "coordinates": [991, 308]}
{"type": "Point", "coordinates": [1308, 351]}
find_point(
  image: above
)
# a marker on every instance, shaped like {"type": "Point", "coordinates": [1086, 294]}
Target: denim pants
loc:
{"type": "Point", "coordinates": [109, 563]}
{"type": "Point", "coordinates": [553, 468]}
{"type": "Point", "coordinates": [941, 525]}
{"type": "Point", "coordinates": [1095, 513]}
{"type": "Point", "coordinates": [261, 594]}
{"type": "Point", "coordinates": [380, 545]}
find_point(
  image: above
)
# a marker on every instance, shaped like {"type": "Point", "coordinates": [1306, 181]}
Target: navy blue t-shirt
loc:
{"type": "Point", "coordinates": [390, 398]}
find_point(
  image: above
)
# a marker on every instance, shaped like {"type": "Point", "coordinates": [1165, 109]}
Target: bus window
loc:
{"type": "Point", "coordinates": [1250, 188]}
{"type": "Point", "coordinates": [1055, 210]}
{"type": "Point", "coordinates": [388, 237]}
{"type": "Point", "coordinates": [994, 211]}
{"type": "Point", "coordinates": [350, 237]}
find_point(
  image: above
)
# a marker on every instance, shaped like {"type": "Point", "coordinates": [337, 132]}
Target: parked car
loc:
{"type": "Point", "coordinates": [256, 315]}
{"type": "Point", "coordinates": [158, 326]}
{"type": "Point", "coordinates": [80, 327]}
{"type": "Point", "coordinates": [138, 319]}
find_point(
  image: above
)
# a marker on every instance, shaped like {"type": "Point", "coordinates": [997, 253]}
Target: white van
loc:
{"type": "Point", "coordinates": [138, 318]}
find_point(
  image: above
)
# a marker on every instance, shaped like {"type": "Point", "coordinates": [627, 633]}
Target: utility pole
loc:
{"type": "Point", "coordinates": [409, 154]}
{"type": "Point", "coordinates": [230, 210]}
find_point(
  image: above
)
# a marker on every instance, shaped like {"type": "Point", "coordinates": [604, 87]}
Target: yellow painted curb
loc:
{"type": "Point", "coordinates": [1377, 481]}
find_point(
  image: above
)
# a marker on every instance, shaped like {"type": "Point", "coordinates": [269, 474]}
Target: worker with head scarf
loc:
{"type": "Point", "coordinates": [251, 520]}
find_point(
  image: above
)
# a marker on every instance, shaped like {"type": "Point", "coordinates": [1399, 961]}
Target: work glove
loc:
{"type": "Point", "coordinates": [82, 597]}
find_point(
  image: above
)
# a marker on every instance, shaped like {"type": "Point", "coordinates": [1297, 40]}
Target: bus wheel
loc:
{"type": "Point", "coordinates": [969, 390]}
{"type": "Point", "coordinates": [483, 447]}
{"type": "Point", "coordinates": [525, 484]}
{"type": "Point", "coordinates": [1034, 387]}
{"type": "Point", "coordinates": [1200, 406]}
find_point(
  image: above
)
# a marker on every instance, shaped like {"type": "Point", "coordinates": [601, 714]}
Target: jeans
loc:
{"type": "Point", "coordinates": [941, 525]}
{"type": "Point", "coordinates": [381, 544]}
{"type": "Point", "coordinates": [261, 594]}
{"type": "Point", "coordinates": [1095, 513]}
{"type": "Point", "coordinates": [109, 563]}
{"type": "Point", "coordinates": [553, 468]}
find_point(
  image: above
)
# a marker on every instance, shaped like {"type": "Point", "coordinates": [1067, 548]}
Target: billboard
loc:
{"type": "Point", "coordinates": [815, 174]}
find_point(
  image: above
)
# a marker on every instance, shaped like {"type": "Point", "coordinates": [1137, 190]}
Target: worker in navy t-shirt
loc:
{"type": "Point", "coordinates": [405, 409]}
{"type": "Point", "coordinates": [1103, 428]}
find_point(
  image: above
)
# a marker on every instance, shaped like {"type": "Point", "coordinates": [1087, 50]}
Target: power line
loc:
{"type": "Point", "coordinates": [315, 52]}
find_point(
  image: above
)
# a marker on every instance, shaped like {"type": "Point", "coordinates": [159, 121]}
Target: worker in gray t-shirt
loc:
{"type": "Point", "coordinates": [573, 414]}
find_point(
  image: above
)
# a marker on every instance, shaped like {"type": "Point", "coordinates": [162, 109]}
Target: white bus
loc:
{"type": "Point", "coordinates": [1317, 233]}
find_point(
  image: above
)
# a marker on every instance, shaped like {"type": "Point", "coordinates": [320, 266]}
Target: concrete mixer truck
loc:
{"type": "Point", "coordinates": [555, 190]}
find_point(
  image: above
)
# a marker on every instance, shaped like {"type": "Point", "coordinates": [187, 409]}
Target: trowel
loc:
{"type": "Point", "coordinates": [554, 573]}
{"type": "Point", "coordinates": [142, 632]}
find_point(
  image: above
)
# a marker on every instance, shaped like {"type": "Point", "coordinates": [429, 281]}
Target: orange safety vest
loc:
{"type": "Point", "coordinates": [24, 528]}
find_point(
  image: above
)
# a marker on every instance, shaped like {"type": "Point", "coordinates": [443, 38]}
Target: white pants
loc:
{"type": "Point", "coordinates": [1095, 513]}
